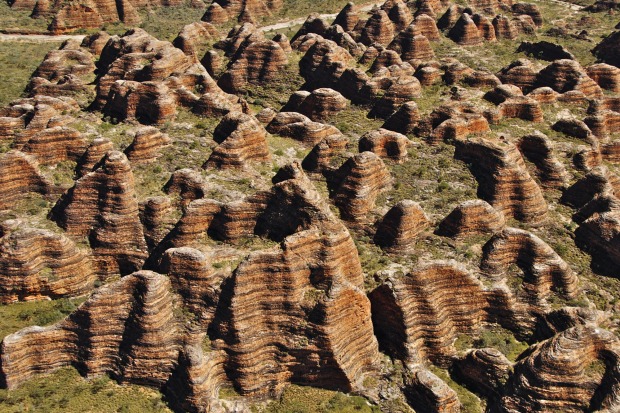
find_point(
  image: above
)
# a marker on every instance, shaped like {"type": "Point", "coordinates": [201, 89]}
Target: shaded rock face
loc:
{"type": "Point", "coordinates": [299, 127]}
{"type": "Point", "coordinates": [487, 370]}
{"type": "Point", "coordinates": [556, 375]}
{"type": "Point", "coordinates": [318, 105]}
{"type": "Point", "coordinates": [542, 267]}
{"type": "Point", "coordinates": [427, 392]}
{"type": "Point", "coordinates": [19, 175]}
{"type": "Point", "coordinates": [528, 9]}
{"type": "Point", "coordinates": [23, 118]}
{"type": "Point", "coordinates": [412, 45]}
{"type": "Point", "coordinates": [146, 79]}
{"type": "Point", "coordinates": [566, 75]}
{"type": "Point", "coordinates": [537, 148]}
{"type": "Point", "coordinates": [607, 76]}
{"type": "Point", "coordinates": [504, 28]}
{"type": "Point", "coordinates": [545, 50]}
{"type": "Point", "coordinates": [347, 18]}
{"type": "Point", "coordinates": [126, 329]}
{"type": "Point", "coordinates": [102, 205]}
{"type": "Point", "coordinates": [452, 121]}
{"type": "Point", "coordinates": [386, 144]}
{"type": "Point", "coordinates": [319, 159]}
{"type": "Point", "coordinates": [596, 200]}
{"type": "Point", "coordinates": [324, 63]}
{"type": "Point", "coordinates": [378, 29]}
{"type": "Point", "coordinates": [146, 145]}
{"type": "Point", "coordinates": [255, 63]}
{"type": "Point", "coordinates": [404, 120]}
{"type": "Point", "coordinates": [37, 264]}
{"type": "Point", "coordinates": [465, 32]}
{"type": "Point", "coordinates": [194, 37]}
{"type": "Point", "coordinates": [607, 50]}
{"type": "Point", "coordinates": [400, 227]}
{"type": "Point", "coordinates": [401, 91]}
{"type": "Point", "coordinates": [241, 139]}
{"type": "Point", "coordinates": [93, 154]}
{"type": "Point", "coordinates": [222, 11]}
{"type": "Point", "coordinates": [417, 316]}
{"type": "Point", "coordinates": [357, 184]}
{"type": "Point", "coordinates": [63, 72]}
{"type": "Point", "coordinates": [471, 218]}
{"type": "Point", "coordinates": [521, 107]}
{"type": "Point", "coordinates": [503, 179]}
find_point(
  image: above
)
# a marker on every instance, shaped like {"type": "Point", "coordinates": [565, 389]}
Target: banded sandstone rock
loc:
{"type": "Point", "coordinates": [259, 62]}
{"type": "Point", "coordinates": [537, 148]}
{"type": "Point", "coordinates": [418, 315]}
{"type": "Point", "coordinates": [146, 145]}
{"type": "Point", "coordinates": [503, 179]}
{"type": "Point", "coordinates": [241, 139]}
{"type": "Point", "coordinates": [404, 120]}
{"type": "Point", "coordinates": [102, 205]}
{"type": "Point", "coordinates": [378, 29]}
{"type": "Point", "coordinates": [465, 32]}
{"type": "Point", "coordinates": [386, 144]}
{"type": "Point", "coordinates": [96, 337]}
{"type": "Point", "coordinates": [427, 392]}
{"type": "Point", "coordinates": [37, 264]}
{"type": "Point", "coordinates": [299, 127]}
{"type": "Point", "coordinates": [20, 175]}
{"type": "Point", "coordinates": [542, 267]}
{"type": "Point", "coordinates": [400, 227]}
{"type": "Point", "coordinates": [471, 218]}
{"type": "Point", "coordinates": [558, 373]}
{"type": "Point", "coordinates": [358, 183]}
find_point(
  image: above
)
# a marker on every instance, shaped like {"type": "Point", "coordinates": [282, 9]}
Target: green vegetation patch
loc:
{"type": "Point", "coordinates": [301, 399]}
{"type": "Point", "coordinates": [14, 317]}
{"type": "Point", "coordinates": [469, 401]}
{"type": "Point", "coordinates": [67, 392]}
{"type": "Point", "coordinates": [18, 60]}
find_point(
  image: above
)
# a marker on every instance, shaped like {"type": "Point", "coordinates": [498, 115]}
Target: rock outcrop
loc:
{"type": "Point", "coordinates": [573, 371]}
{"type": "Point", "coordinates": [471, 218]}
{"type": "Point", "coordinates": [465, 32]}
{"type": "Point", "coordinates": [127, 329]}
{"type": "Point", "coordinates": [404, 120]}
{"type": "Point", "coordinates": [537, 148]}
{"type": "Point", "coordinates": [386, 144]}
{"type": "Point", "coordinates": [357, 184]}
{"type": "Point", "coordinates": [299, 127]}
{"type": "Point", "coordinates": [258, 62]}
{"type": "Point", "coordinates": [146, 79]}
{"type": "Point", "coordinates": [38, 264]}
{"type": "Point", "coordinates": [543, 269]}
{"type": "Point", "coordinates": [378, 29]}
{"type": "Point", "coordinates": [241, 139]}
{"type": "Point", "coordinates": [503, 179]}
{"type": "Point", "coordinates": [102, 206]}
{"type": "Point", "coordinates": [400, 227]}
{"type": "Point", "coordinates": [607, 49]}
{"type": "Point", "coordinates": [146, 145]}
{"type": "Point", "coordinates": [20, 175]}
{"type": "Point", "coordinates": [607, 76]}
{"type": "Point", "coordinates": [318, 105]}
{"type": "Point", "coordinates": [418, 315]}
{"type": "Point", "coordinates": [428, 393]}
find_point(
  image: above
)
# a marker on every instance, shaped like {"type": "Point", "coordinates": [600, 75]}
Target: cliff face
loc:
{"type": "Point", "coordinates": [102, 205]}
{"type": "Point", "coordinates": [557, 374]}
{"type": "Point", "coordinates": [38, 264]}
{"type": "Point", "coordinates": [418, 316]}
{"type": "Point", "coordinates": [126, 329]}
{"type": "Point", "coordinates": [510, 188]}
